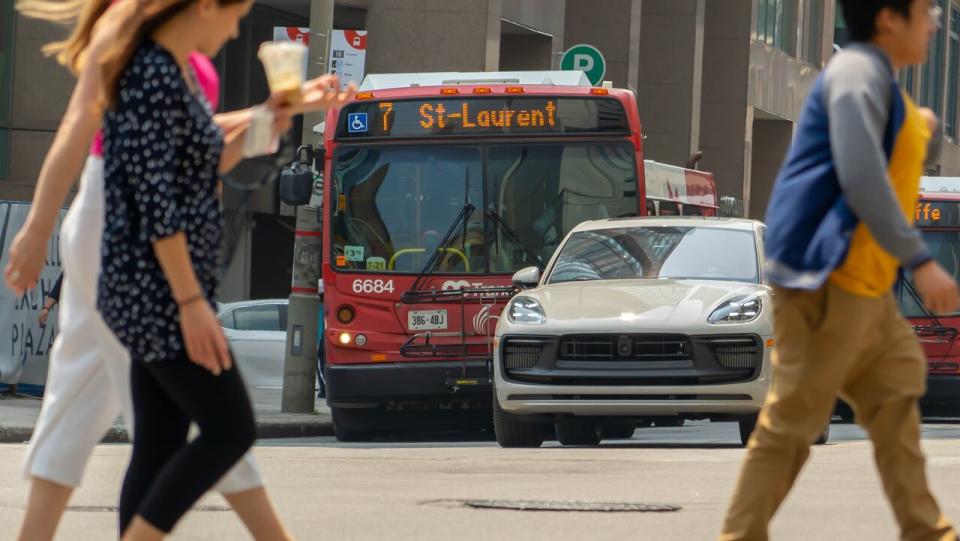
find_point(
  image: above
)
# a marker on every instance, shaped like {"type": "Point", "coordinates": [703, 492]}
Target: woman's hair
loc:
{"type": "Point", "coordinates": [141, 23]}
{"type": "Point", "coordinates": [82, 14]}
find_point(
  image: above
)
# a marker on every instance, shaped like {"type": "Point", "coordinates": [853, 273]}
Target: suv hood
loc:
{"type": "Point", "coordinates": [649, 305]}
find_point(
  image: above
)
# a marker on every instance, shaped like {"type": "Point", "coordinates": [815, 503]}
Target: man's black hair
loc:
{"type": "Point", "coordinates": [861, 15]}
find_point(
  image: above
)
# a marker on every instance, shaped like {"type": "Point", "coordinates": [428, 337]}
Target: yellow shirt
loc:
{"type": "Point", "coordinates": [869, 270]}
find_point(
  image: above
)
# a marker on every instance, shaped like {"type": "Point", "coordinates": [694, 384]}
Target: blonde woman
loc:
{"type": "Point", "coordinates": [88, 381]}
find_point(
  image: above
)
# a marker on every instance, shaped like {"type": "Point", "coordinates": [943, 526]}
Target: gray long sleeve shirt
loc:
{"type": "Point", "coordinates": [857, 91]}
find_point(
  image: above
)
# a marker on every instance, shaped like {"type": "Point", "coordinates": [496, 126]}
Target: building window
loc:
{"type": "Point", "coordinates": [931, 82]}
{"type": "Point", "coordinates": [950, 119]}
{"type": "Point", "coordinates": [6, 82]}
{"type": "Point", "coordinates": [775, 23]}
{"type": "Point", "coordinates": [840, 35]}
{"type": "Point", "coordinates": [906, 79]}
{"type": "Point", "coordinates": [813, 32]}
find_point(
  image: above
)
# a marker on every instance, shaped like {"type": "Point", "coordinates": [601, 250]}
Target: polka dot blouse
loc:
{"type": "Point", "coordinates": [161, 152]}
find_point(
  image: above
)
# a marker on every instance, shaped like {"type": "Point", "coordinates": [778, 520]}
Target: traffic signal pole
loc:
{"type": "Point", "coordinates": [300, 361]}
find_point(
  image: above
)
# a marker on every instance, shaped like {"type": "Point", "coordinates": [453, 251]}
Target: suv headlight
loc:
{"type": "Point", "coordinates": [526, 311]}
{"type": "Point", "coordinates": [739, 310]}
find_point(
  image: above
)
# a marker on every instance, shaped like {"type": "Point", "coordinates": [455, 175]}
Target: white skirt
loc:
{"type": "Point", "coordinates": [88, 380]}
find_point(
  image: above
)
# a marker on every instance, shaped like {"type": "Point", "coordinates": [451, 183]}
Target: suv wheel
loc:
{"type": "Point", "coordinates": [824, 436]}
{"type": "Point", "coordinates": [511, 432]}
{"type": "Point", "coordinates": [617, 430]}
{"type": "Point", "coordinates": [578, 431]}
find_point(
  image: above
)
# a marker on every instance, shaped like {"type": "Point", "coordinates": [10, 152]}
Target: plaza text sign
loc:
{"type": "Point", "coordinates": [24, 344]}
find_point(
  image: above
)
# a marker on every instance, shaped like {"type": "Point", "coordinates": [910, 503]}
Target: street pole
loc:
{"type": "Point", "coordinates": [300, 361]}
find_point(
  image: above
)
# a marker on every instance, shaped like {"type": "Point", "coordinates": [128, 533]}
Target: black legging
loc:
{"type": "Point", "coordinates": [167, 475]}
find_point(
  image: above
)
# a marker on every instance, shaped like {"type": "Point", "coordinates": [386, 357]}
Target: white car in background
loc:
{"type": "Point", "coordinates": [257, 333]}
{"type": "Point", "coordinates": [633, 319]}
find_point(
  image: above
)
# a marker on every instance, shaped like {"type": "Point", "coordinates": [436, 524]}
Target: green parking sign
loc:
{"type": "Point", "coordinates": [587, 59]}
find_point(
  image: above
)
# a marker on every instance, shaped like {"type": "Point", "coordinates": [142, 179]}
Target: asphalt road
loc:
{"type": "Point", "coordinates": [417, 488]}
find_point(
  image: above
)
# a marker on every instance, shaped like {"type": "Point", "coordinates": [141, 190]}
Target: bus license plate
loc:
{"type": "Point", "coordinates": [427, 320]}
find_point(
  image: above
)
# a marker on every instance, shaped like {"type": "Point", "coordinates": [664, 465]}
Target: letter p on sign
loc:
{"type": "Point", "coordinates": [583, 62]}
{"type": "Point", "coordinates": [585, 58]}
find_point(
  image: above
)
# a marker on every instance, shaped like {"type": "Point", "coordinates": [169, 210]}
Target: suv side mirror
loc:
{"type": "Point", "coordinates": [526, 278]}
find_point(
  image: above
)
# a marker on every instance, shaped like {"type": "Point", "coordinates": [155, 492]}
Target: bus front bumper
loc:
{"type": "Point", "coordinates": [943, 393]}
{"type": "Point", "coordinates": [369, 385]}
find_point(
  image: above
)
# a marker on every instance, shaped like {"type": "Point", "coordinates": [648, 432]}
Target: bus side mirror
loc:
{"type": "Point", "coordinates": [296, 181]}
{"type": "Point", "coordinates": [526, 278]}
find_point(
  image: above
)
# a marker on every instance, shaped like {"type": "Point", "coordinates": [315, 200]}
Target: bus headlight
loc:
{"type": "Point", "coordinates": [739, 310]}
{"type": "Point", "coordinates": [526, 311]}
{"type": "Point", "coordinates": [345, 338]}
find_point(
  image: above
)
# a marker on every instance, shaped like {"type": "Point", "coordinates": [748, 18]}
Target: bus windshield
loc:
{"type": "Point", "coordinates": [393, 204]}
{"type": "Point", "coordinates": [945, 246]}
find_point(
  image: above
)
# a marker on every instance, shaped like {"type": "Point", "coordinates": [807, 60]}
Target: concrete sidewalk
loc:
{"type": "Point", "coordinates": [18, 415]}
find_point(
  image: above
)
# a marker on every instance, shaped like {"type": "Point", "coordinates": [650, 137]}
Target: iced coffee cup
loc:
{"type": "Point", "coordinates": [283, 62]}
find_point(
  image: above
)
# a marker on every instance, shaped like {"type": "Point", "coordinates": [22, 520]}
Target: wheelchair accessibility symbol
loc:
{"type": "Point", "coordinates": [357, 122]}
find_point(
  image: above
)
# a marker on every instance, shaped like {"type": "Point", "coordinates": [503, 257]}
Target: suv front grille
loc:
{"type": "Point", "coordinates": [737, 353]}
{"type": "Point", "coordinates": [632, 359]}
{"type": "Point", "coordinates": [607, 347]}
{"type": "Point", "coordinates": [519, 353]}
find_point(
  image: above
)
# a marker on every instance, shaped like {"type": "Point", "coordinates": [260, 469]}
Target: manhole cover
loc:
{"type": "Point", "coordinates": [113, 509]}
{"type": "Point", "coordinates": [569, 506]}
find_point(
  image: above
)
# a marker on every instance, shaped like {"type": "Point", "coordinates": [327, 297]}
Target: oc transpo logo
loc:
{"type": "Point", "coordinates": [454, 285]}
{"type": "Point", "coordinates": [481, 321]}
{"type": "Point", "coordinates": [484, 319]}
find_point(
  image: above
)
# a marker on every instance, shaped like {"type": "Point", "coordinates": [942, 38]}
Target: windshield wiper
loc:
{"type": "Point", "coordinates": [459, 224]}
{"type": "Point", "coordinates": [938, 328]}
{"type": "Point", "coordinates": [512, 236]}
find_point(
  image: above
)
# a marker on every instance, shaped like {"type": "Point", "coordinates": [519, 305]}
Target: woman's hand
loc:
{"type": "Point", "coordinates": [27, 256]}
{"type": "Point", "coordinates": [203, 336]}
{"type": "Point", "coordinates": [282, 114]}
{"type": "Point", "coordinates": [324, 92]}
{"type": "Point", "coordinates": [44, 314]}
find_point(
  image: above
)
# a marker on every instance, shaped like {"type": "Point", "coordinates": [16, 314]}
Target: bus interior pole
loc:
{"type": "Point", "coordinates": [300, 359]}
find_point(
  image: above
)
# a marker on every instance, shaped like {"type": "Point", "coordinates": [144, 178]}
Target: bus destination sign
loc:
{"type": "Point", "coordinates": [937, 214]}
{"type": "Point", "coordinates": [481, 116]}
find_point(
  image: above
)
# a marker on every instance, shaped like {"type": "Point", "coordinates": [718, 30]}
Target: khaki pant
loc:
{"type": "Point", "coordinates": [832, 343]}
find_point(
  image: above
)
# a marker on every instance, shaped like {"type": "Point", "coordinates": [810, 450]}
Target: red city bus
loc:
{"type": "Point", "coordinates": [437, 188]}
{"type": "Point", "coordinates": [938, 217]}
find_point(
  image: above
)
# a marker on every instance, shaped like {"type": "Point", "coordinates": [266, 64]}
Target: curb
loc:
{"type": "Point", "coordinates": [270, 430]}
{"type": "Point", "coordinates": [15, 434]}
{"type": "Point", "coordinates": [265, 430]}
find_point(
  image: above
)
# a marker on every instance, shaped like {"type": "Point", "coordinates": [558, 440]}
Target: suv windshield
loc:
{"type": "Point", "coordinates": [394, 203]}
{"type": "Point", "coordinates": [696, 253]}
{"type": "Point", "coordinates": [945, 246]}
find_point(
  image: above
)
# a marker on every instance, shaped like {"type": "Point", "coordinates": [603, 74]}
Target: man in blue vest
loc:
{"type": "Point", "coordinates": [840, 227]}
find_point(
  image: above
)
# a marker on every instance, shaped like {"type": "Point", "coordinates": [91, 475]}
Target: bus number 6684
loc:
{"type": "Point", "coordinates": [373, 286]}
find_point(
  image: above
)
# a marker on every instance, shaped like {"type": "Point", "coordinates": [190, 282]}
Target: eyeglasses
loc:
{"type": "Point", "coordinates": [936, 16]}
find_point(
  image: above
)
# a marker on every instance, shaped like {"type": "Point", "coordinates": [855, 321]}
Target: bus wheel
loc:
{"type": "Point", "coordinates": [511, 432]}
{"type": "Point", "coordinates": [747, 424]}
{"type": "Point", "coordinates": [668, 422]}
{"type": "Point", "coordinates": [578, 431]}
{"type": "Point", "coordinates": [351, 425]}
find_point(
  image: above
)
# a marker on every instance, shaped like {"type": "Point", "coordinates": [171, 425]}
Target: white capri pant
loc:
{"type": "Point", "coordinates": [88, 380]}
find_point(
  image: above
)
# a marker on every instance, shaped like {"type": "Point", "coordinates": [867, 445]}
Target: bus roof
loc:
{"type": "Point", "coordinates": [944, 185]}
{"type": "Point", "coordinates": [383, 81]}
